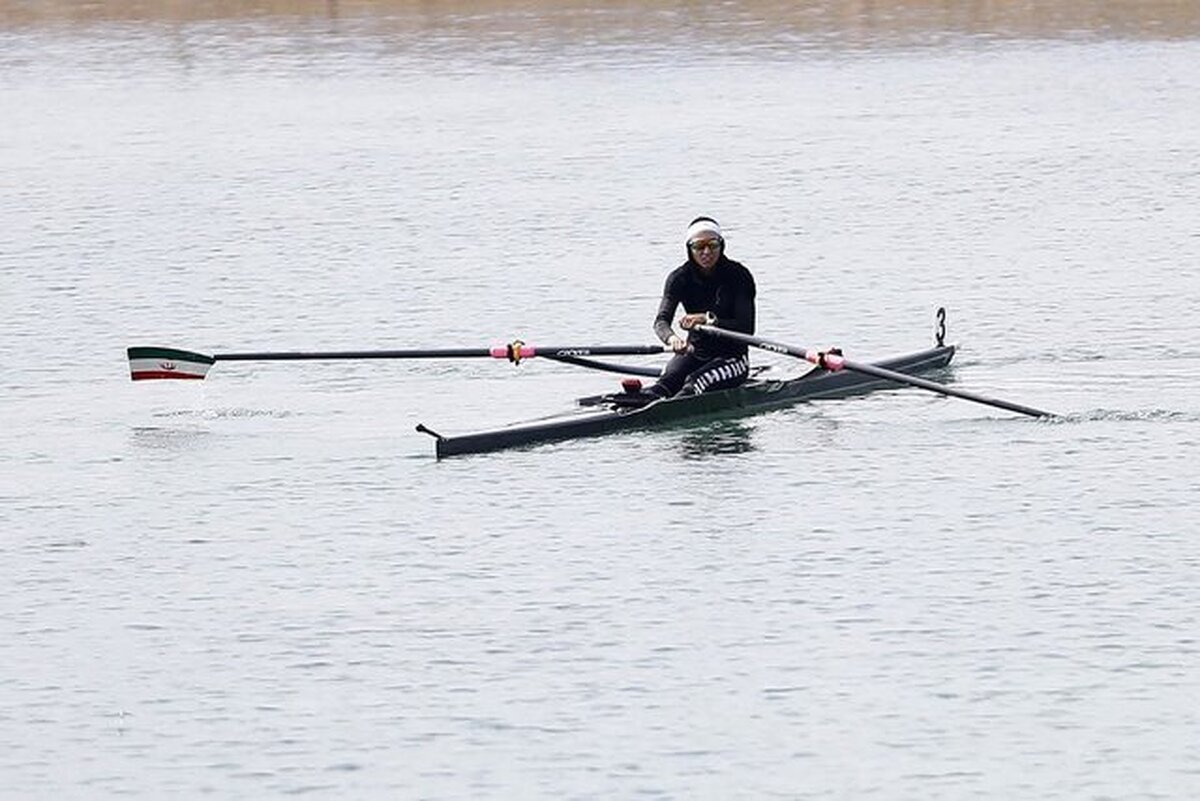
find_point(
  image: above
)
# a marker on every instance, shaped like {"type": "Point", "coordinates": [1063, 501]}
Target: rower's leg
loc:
{"type": "Point", "coordinates": [676, 372]}
{"type": "Point", "coordinates": [717, 374]}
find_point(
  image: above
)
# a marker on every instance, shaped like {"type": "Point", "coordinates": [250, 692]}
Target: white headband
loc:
{"type": "Point", "coordinates": [701, 227]}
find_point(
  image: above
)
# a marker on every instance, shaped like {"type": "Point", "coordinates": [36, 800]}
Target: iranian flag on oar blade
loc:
{"type": "Point", "coordinates": [146, 363]}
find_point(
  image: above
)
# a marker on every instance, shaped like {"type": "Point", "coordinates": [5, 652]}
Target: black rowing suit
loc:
{"type": "Point", "coordinates": [712, 363]}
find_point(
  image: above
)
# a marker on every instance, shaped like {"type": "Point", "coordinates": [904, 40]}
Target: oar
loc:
{"type": "Point", "coordinates": [607, 367]}
{"type": "Point", "coordinates": [834, 361]}
{"type": "Point", "coordinates": [150, 362]}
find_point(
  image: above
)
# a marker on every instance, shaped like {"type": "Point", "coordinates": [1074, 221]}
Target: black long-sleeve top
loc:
{"type": "Point", "coordinates": [728, 293]}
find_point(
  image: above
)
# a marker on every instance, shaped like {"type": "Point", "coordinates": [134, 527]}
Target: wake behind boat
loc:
{"type": "Point", "coordinates": [618, 413]}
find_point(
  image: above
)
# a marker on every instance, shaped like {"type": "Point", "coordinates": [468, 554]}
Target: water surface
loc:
{"type": "Point", "coordinates": [264, 584]}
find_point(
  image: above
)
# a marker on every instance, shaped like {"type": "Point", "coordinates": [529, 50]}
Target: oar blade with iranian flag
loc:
{"type": "Point", "coordinates": [147, 363]}
{"type": "Point", "coordinates": [153, 363]}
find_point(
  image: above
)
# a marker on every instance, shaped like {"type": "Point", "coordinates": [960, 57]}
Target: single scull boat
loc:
{"type": "Point", "coordinates": [755, 395]}
{"type": "Point", "coordinates": [835, 377]}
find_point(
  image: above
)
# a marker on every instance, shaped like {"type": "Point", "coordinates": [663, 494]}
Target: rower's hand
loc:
{"type": "Point", "coordinates": [690, 320]}
{"type": "Point", "coordinates": [677, 344]}
{"type": "Point", "coordinates": [832, 350]}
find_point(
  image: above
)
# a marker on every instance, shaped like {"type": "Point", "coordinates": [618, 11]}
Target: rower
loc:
{"type": "Point", "coordinates": [715, 290]}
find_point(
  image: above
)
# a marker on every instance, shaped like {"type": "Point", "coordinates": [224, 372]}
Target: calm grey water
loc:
{"type": "Point", "coordinates": [263, 584]}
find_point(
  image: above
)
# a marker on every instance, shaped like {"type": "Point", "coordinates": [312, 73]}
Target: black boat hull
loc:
{"type": "Point", "coordinates": [751, 397]}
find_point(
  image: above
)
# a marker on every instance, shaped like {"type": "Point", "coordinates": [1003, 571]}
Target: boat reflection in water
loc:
{"type": "Point", "coordinates": [718, 439]}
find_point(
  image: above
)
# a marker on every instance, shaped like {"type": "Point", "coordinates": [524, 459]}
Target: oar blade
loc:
{"type": "Point", "coordinates": [150, 363]}
{"type": "Point", "coordinates": [147, 363]}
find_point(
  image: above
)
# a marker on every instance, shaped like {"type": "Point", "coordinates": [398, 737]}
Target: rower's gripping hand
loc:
{"type": "Point", "coordinates": [677, 344]}
{"type": "Point", "coordinates": [689, 320]}
{"type": "Point", "coordinates": [829, 358]}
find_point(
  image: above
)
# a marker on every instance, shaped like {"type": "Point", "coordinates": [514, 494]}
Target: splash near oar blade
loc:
{"type": "Point", "coordinates": [170, 363]}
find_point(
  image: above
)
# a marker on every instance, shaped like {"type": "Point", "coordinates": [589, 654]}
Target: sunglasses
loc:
{"type": "Point", "coordinates": [701, 245]}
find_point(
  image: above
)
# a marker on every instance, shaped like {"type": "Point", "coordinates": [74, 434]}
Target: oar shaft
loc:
{"type": "Point", "coordinates": [318, 355]}
{"type": "Point", "coordinates": [608, 367]}
{"type": "Point", "coordinates": [837, 362]}
{"type": "Point", "coordinates": [513, 352]}
{"type": "Point", "coordinates": [942, 389]}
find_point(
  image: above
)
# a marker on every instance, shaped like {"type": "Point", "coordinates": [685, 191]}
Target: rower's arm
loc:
{"type": "Point", "coordinates": [666, 314]}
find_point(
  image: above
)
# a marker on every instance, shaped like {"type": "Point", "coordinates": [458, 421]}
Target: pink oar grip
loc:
{"type": "Point", "coordinates": [507, 352]}
{"type": "Point", "coordinates": [828, 361]}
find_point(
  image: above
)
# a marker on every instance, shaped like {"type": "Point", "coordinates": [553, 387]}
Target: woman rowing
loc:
{"type": "Point", "coordinates": [714, 290]}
